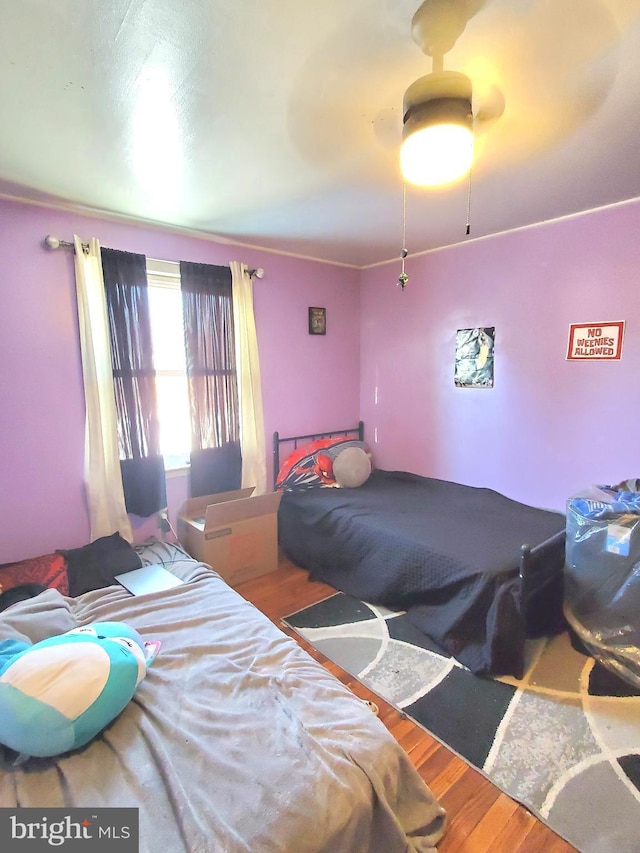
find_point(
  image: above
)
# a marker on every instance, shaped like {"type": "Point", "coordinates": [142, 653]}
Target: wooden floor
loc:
{"type": "Point", "coordinates": [482, 818]}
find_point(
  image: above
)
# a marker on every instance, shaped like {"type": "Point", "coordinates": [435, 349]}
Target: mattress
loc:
{"type": "Point", "coordinates": [236, 740]}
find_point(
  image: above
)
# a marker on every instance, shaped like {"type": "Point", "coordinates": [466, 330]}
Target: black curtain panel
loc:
{"type": "Point", "coordinates": [210, 353]}
{"type": "Point", "coordinates": [127, 296]}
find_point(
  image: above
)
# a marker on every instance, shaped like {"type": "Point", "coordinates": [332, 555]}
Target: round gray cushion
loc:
{"type": "Point", "coordinates": [351, 467]}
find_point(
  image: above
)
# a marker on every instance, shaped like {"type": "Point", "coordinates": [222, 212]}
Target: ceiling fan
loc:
{"type": "Point", "coordinates": [440, 112]}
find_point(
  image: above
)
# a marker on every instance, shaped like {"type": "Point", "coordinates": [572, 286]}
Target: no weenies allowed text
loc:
{"type": "Point", "coordinates": [595, 341]}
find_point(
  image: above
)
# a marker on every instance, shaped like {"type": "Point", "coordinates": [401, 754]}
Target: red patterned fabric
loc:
{"type": "Point", "coordinates": [49, 570]}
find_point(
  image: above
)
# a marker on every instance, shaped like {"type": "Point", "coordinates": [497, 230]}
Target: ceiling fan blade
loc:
{"type": "Point", "coordinates": [387, 127]}
{"type": "Point", "coordinates": [488, 104]}
{"type": "Point", "coordinates": [437, 24]}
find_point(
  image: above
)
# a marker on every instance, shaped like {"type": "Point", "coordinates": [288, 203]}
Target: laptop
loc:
{"type": "Point", "coordinates": [152, 578]}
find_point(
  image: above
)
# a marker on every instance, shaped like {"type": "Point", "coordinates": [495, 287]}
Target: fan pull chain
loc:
{"type": "Point", "coordinates": [403, 278]}
{"type": "Point", "coordinates": [468, 228]}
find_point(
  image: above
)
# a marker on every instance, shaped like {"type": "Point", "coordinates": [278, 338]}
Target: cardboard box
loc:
{"type": "Point", "coordinates": [234, 533]}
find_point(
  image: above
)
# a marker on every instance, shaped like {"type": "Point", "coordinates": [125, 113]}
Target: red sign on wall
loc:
{"type": "Point", "coordinates": [595, 341]}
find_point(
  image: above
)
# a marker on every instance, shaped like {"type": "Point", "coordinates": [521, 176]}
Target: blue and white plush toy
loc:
{"type": "Point", "coordinates": [56, 695]}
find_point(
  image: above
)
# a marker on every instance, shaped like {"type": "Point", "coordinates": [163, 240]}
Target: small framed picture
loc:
{"type": "Point", "coordinates": [317, 321]}
{"type": "Point", "coordinates": [474, 357]}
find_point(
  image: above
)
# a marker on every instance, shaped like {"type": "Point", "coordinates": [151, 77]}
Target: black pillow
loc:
{"type": "Point", "coordinates": [94, 566]}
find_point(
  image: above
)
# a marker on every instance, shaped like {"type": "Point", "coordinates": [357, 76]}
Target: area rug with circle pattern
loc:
{"type": "Point", "coordinates": [564, 740]}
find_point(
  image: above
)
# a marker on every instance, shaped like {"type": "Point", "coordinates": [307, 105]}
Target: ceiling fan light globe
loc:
{"type": "Point", "coordinates": [436, 155]}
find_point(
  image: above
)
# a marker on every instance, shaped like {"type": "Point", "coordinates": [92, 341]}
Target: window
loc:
{"type": "Point", "coordinates": [167, 333]}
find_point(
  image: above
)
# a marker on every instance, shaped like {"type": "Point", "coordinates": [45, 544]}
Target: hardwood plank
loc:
{"type": "Point", "coordinates": [482, 819]}
{"type": "Point", "coordinates": [448, 776]}
{"type": "Point", "coordinates": [436, 763]}
{"type": "Point", "coordinates": [539, 834]}
{"type": "Point", "coordinates": [466, 810]}
{"type": "Point", "coordinates": [483, 836]}
{"type": "Point", "coordinates": [411, 739]}
{"type": "Point", "coordinates": [514, 832]}
{"type": "Point", "coordinates": [423, 749]}
{"type": "Point", "coordinates": [401, 727]}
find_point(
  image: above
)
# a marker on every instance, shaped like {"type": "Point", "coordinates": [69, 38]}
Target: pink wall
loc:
{"type": "Point", "coordinates": [309, 382]}
{"type": "Point", "coordinates": [548, 427]}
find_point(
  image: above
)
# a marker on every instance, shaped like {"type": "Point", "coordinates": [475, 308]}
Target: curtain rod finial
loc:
{"type": "Point", "coordinates": [257, 273]}
{"type": "Point", "coordinates": [51, 242]}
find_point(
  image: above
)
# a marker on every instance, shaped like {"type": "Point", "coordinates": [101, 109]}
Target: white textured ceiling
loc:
{"type": "Point", "coordinates": [278, 123]}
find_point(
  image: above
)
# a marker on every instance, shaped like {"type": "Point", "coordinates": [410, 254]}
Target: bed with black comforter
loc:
{"type": "Point", "coordinates": [476, 571]}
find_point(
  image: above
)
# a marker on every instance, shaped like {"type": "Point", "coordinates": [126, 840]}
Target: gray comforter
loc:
{"type": "Point", "coordinates": [237, 740]}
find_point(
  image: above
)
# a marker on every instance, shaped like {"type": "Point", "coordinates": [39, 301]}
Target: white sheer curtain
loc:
{"type": "Point", "coordinates": [254, 463]}
{"type": "Point", "coordinates": [105, 496]}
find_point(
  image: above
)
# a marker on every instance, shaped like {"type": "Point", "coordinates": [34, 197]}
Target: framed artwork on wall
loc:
{"type": "Point", "coordinates": [474, 357]}
{"type": "Point", "coordinates": [317, 321]}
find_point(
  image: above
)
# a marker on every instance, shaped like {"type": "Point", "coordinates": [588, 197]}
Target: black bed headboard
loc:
{"type": "Point", "coordinates": [294, 440]}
